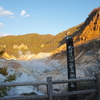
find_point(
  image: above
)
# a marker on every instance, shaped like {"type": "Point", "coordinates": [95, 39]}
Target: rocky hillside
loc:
{"type": "Point", "coordinates": [90, 30]}
{"type": "Point", "coordinates": [86, 43]}
{"type": "Point", "coordinates": [88, 33]}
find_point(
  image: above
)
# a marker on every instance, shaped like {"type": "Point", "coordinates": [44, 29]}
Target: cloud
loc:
{"type": "Point", "coordinates": [3, 34]}
{"type": "Point", "coordinates": [11, 17]}
{"type": "Point", "coordinates": [23, 14]}
{"type": "Point", "coordinates": [1, 25]}
{"type": "Point", "coordinates": [26, 15]}
{"type": "Point", "coordinates": [5, 12]}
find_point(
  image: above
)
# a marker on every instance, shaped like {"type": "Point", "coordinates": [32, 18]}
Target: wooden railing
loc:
{"type": "Point", "coordinates": [50, 95]}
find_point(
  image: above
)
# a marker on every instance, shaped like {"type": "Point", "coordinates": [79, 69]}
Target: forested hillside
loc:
{"type": "Point", "coordinates": [34, 42]}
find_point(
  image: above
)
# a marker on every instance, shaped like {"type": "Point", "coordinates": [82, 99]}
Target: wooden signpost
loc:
{"type": "Point", "coordinates": [71, 66]}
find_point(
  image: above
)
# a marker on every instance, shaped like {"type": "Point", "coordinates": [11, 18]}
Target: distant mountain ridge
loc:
{"type": "Point", "coordinates": [33, 42]}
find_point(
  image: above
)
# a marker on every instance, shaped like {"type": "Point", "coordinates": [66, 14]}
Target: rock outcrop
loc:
{"type": "Point", "coordinates": [90, 30]}
{"type": "Point", "coordinates": [22, 46]}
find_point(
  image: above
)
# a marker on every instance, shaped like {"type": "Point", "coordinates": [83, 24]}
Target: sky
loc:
{"type": "Point", "coordinates": [19, 17]}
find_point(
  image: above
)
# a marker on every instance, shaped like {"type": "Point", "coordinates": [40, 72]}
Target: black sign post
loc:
{"type": "Point", "coordinates": [71, 66]}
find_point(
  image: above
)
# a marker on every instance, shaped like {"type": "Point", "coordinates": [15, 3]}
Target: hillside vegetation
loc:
{"type": "Point", "coordinates": [34, 42]}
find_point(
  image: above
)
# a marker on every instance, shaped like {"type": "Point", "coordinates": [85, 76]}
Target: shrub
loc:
{"type": "Point", "coordinates": [3, 71]}
{"type": "Point", "coordinates": [10, 78]}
